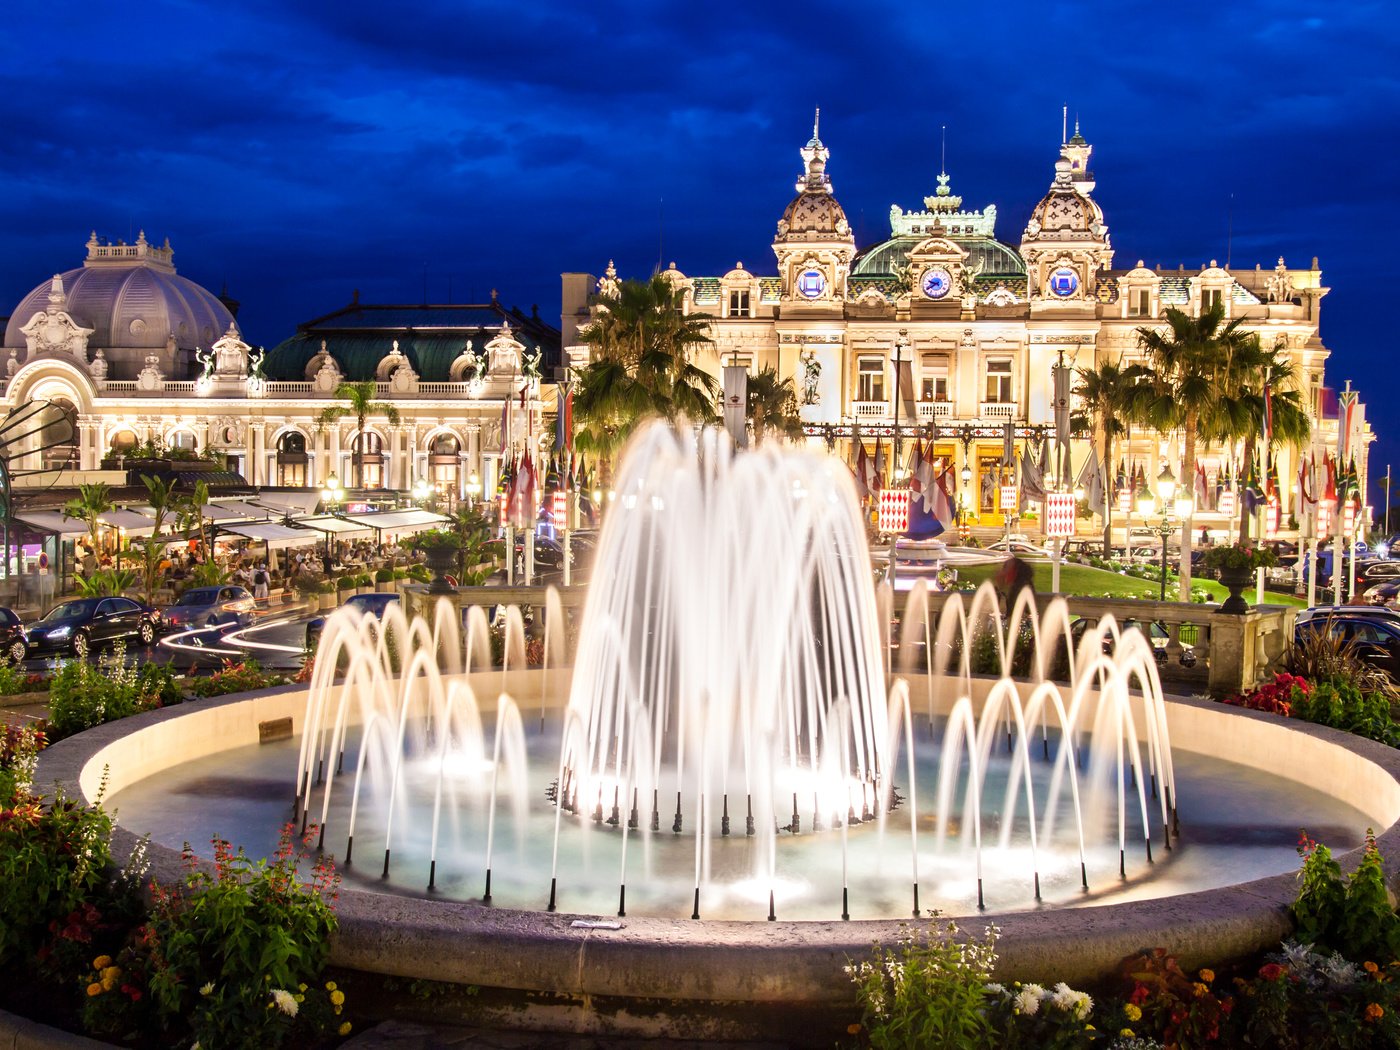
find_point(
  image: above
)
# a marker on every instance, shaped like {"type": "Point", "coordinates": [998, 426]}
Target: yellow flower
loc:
{"type": "Point", "coordinates": [1200, 989]}
{"type": "Point", "coordinates": [337, 997]}
{"type": "Point", "coordinates": [111, 973]}
{"type": "Point", "coordinates": [94, 989]}
{"type": "Point", "coordinates": [1126, 1033]}
{"type": "Point", "coordinates": [102, 962]}
{"type": "Point", "coordinates": [1132, 1013]}
{"type": "Point", "coordinates": [1207, 976]}
{"type": "Point", "coordinates": [330, 986]}
{"type": "Point", "coordinates": [337, 1009]}
{"type": "Point", "coordinates": [344, 1029]}
{"type": "Point", "coordinates": [301, 987]}
{"type": "Point", "coordinates": [208, 988]}
{"type": "Point", "coordinates": [853, 1029]}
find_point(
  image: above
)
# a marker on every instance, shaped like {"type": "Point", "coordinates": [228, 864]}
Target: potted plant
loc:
{"type": "Point", "coordinates": [1236, 565]}
{"type": "Point", "coordinates": [439, 547]}
{"type": "Point", "coordinates": [384, 581]}
{"type": "Point", "coordinates": [364, 583]}
{"type": "Point", "coordinates": [346, 586]}
{"type": "Point", "coordinates": [329, 598]}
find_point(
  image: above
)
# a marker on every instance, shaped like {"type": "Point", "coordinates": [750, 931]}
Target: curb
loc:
{"type": "Point", "coordinates": [19, 1033]}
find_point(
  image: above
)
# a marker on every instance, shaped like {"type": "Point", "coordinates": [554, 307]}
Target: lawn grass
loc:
{"type": "Point", "coordinates": [1085, 581]}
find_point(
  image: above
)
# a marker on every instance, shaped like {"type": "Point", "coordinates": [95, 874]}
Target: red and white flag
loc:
{"type": "Point", "coordinates": [879, 483]}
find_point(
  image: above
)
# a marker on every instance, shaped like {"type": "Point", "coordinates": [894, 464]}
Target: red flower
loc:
{"type": "Point", "coordinates": [1271, 971]}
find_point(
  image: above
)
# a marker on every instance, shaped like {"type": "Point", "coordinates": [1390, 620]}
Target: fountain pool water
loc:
{"type": "Point", "coordinates": [726, 745]}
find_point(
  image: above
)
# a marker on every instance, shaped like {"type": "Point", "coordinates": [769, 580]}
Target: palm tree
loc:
{"type": "Point", "coordinates": [189, 514]}
{"type": "Point", "coordinates": [772, 405]}
{"type": "Point", "coordinates": [88, 506]}
{"type": "Point", "coordinates": [160, 495]}
{"type": "Point", "coordinates": [1240, 412]}
{"type": "Point", "coordinates": [644, 344]}
{"type": "Point", "coordinates": [1192, 375]}
{"type": "Point", "coordinates": [1110, 397]}
{"type": "Point", "coordinates": [360, 403]}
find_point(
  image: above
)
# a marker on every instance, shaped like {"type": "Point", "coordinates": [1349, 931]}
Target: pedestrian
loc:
{"type": "Point", "coordinates": [261, 583]}
{"type": "Point", "coordinates": [1014, 577]}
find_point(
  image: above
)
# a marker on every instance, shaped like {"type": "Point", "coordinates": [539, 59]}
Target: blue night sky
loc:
{"type": "Point", "coordinates": [298, 151]}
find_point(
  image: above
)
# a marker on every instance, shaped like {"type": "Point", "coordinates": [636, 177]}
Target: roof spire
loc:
{"type": "Point", "coordinates": [816, 124]}
{"type": "Point", "coordinates": [814, 157]}
{"type": "Point", "coordinates": [943, 158]}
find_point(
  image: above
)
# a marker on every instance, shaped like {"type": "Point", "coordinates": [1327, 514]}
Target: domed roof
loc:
{"type": "Point", "coordinates": [814, 214]}
{"type": "Point", "coordinates": [985, 255]}
{"type": "Point", "coordinates": [1065, 212]}
{"type": "Point", "coordinates": [131, 296]}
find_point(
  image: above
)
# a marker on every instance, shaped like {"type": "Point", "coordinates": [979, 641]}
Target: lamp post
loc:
{"type": "Point", "coordinates": [331, 494]}
{"type": "Point", "coordinates": [422, 491]}
{"type": "Point", "coordinates": [473, 489]}
{"type": "Point", "coordinates": [1173, 507]}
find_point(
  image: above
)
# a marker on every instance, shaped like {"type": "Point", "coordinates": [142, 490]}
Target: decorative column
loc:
{"type": "Point", "coordinates": [333, 455]}
{"type": "Point", "coordinates": [255, 447]}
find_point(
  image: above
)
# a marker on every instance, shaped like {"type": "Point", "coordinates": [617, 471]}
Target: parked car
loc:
{"type": "Point", "coordinates": [1323, 612]}
{"type": "Point", "coordinates": [549, 558]}
{"type": "Point", "coordinates": [210, 606]}
{"type": "Point", "coordinates": [81, 624]}
{"type": "Point", "coordinates": [1157, 635]}
{"type": "Point", "coordinates": [1376, 639]}
{"type": "Point", "coordinates": [14, 643]}
{"type": "Point", "coordinates": [1382, 593]}
{"type": "Point", "coordinates": [375, 605]}
{"type": "Point", "coordinates": [1021, 547]}
{"type": "Point", "coordinates": [1086, 548]}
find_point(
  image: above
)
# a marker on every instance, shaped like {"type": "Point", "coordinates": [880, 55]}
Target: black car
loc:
{"type": "Point", "coordinates": [1375, 638]}
{"type": "Point", "coordinates": [14, 645]}
{"type": "Point", "coordinates": [81, 624]}
{"type": "Point", "coordinates": [376, 605]}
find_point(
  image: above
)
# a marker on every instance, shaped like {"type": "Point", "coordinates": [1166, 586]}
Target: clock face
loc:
{"type": "Point", "coordinates": [1064, 282]}
{"type": "Point", "coordinates": [811, 284]}
{"type": "Point", "coordinates": [936, 283]}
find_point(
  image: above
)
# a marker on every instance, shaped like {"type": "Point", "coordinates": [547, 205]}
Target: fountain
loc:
{"type": "Point", "coordinates": [744, 740]}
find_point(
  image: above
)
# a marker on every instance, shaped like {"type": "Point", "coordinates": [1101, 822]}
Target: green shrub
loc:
{"type": "Point", "coordinates": [53, 858]}
{"type": "Point", "coordinates": [328, 586]}
{"type": "Point", "coordinates": [364, 579]}
{"type": "Point", "coordinates": [305, 583]}
{"type": "Point", "coordinates": [384, 576]}
{"type": "Point", "coordinates": [83, 695]}
{"type": "Point", "coordinates": [243, 677]}
{"type": "Point", "coordinates": [927, 991]}
{"type": "Point", "coordinates": [14, 680]}
{"type": "Point", "coordinates": [238, 955]}
{"type": "Point", "coordinates": [399, 574]}
{"type": "Point", "coordinates": [347, 583]}
{"type": "Point", "coordinates": [1353, 916]}
{"type": "Point", "coordinates": [1341, 704]}
{"type": "Point", "coordinates": [19, 751]}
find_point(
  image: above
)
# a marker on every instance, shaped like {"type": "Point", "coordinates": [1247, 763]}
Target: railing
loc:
{"type": "Point", "coordinates": [870, 409]}
{"type": "Point", "coordinates": [998, 410]}
{"type": "Point", "coordinates": [120, 386]}
{"type": "Point", "coordinates": [935, 410]}
{"type": "Point", "coordinates": [287, 388]}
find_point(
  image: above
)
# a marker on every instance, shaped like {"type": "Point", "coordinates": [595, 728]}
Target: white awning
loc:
{"type": "Point", "coordinates": [285, 503]}
{"type": "Point", "coordinates": [236, 510]}
{"type": "Point", "coordinates": [398, 522]}
{"type": "Point", "coordinates": [52, 521]}
{"type": "Point", "coordinates": [337, 526]}
{"type": "Point", "coordinates": [135, 524]}
{"type": "Point", "coordinates": [274, 534]}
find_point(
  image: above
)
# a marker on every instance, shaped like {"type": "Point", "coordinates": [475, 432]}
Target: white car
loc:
{"type": "Point", "coordinates": [1022, 547]}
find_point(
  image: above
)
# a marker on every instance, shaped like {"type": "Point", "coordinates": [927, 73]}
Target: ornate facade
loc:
{"type": "Point", "coordinates": [136, 353]}
{"type": "Point", "coordinates": [946, 329]}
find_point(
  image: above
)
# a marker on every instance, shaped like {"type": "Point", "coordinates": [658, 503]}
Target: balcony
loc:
{"type": "Point", "coordinates": [1000, 410]}
{"type": "Point", "coordinates": [870, 409]}
{"type": "Point", "coordinates": [935, 410]}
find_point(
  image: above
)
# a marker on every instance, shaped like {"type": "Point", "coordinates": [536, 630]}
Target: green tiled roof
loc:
{"type": "Point", "coordinates": [706, 289]}
{"type": "Point", "coordinates": [770, 289]}
{"type": "Point", "coordinates": [430, 336]}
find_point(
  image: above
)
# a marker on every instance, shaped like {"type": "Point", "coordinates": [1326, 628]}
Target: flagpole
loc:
{"type": "Point", "coordinates": [1337, 545]}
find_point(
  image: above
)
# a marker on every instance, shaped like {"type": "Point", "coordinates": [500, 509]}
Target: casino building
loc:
{"type": "Point", "coordinates": [945, 329]}
{"type": "Point", "coordinates": [135, 353]}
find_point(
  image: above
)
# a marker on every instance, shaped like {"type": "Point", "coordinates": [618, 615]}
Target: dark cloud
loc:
{"type": "Point", "coordinates": [300, 150]}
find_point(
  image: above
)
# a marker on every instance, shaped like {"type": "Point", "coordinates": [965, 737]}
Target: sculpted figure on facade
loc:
{"type": "Point", "coordinates": [811, 378]}
{"type": "Point", "coordinates": [151, 378]}
{"type": "Point", "coordinates": [230, 355]}
{"type": "Point", "coordinates": [53, 330]}
{"type": "Point", "coordinates": [1280, 285]}
{"type": "Point", "coordinates": [503, 352]}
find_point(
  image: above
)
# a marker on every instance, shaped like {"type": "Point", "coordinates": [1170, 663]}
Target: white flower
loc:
{"type": "Point", "coordinates": [1028, 1000]}
{"type": "Point", "coordinates": [208, 989]}
{"type": "Point", "coordinates": [285, 1001]}
{"type": "Point", "coordinates": [994, 988]}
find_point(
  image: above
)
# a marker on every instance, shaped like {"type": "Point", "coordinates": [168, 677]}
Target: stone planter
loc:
{"type": "Point", "coordinates": [442, 560]}
{"type": "Point", "coordinates": [385, 587]}
{"type": "Point", "coordinates": [1235, 581]}
{"type": "Point", "coordinates": [345, 596]}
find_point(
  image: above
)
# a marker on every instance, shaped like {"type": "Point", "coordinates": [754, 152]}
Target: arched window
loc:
{"type": "Point", "coordinates": [60, 434]}
{"type": "Point", "coordinates": [444, 465]}
{"type": "Point", "coordinates": [292, 460]}
{"type": "Point", "coordinates": [367, 456]}
{"type": "Point", "coordinates": [184, 439]}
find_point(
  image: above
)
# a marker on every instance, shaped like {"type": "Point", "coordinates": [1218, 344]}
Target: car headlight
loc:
{"type": "Point", "coordinates": [60, 632]}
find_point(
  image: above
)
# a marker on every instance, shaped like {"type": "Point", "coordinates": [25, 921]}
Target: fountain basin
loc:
{"type": "Point", "coordinates": [742, 979]}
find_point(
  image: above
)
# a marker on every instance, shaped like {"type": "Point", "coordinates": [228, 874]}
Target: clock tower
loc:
{"type": "Point", "coordinates": [814, 244]}
{"type": "Point", "coordinates": [1066, 240]}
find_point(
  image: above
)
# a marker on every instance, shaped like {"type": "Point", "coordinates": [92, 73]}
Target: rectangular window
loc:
{"type": "Point", "coordinates": [870, 385]}
{"type": "Point", "coordinates": [933, 378]}
{"type": "Point", "coordinates": [998, 381]}
{"type": "Point", "coordinates": [739, 304]}
{"type": "Point", "coordinates": [1140, 302]}
{"type": "Point", "coordinates": [1210, 299]}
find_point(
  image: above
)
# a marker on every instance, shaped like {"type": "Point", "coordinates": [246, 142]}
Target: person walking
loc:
{"type": "Point", "coordinates": [261, 584]}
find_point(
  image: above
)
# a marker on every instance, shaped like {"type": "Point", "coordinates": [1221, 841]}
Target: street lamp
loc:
{"type": "Point", "coordinates": [422, 490]}
{"type": "Point", "coordinates": [331, 494]}
{"type": "Point", "coordinates": [473, 488]}
{"type": "Point", "coordinates": [1166, 489]}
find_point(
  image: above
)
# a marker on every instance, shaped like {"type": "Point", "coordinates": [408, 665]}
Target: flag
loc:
{"type": "Point", "coordinates": [1060, 375]}
{"type": "Point", "coordinates": [1307, 488]}
{"type": "Point", "coordinates": [1329, 488]}
{"type": "Point", "coordinates": [1091, 481]}
{"type": "Point", "coordinates": [863, 473]}
{"type": "Point", "coordinates": [564, 421]}
{"type": "Point", "coordinates": [505, 426]}
{"type": "Point", "coordinates": [1032, 481]}
{"type": "Point", "coordinates": [1268, 415]}
{"type": "Point", "coordinates": [1202, 492]}
{"type": "Point", "coordinates": [1346, 414]}
{"type": "Point", "coordinates": [879, 483]}
{"type": "Point", "coordinates": [1008, 445]}
{"type": "Point", "coordinates": [1252, 493]}
{"type": "Point", "coordinates": [1121, 478]}
{"type": "Point", "coordinates": [916, 462]}
{"type": "Point", "coordinates": [934, 514]}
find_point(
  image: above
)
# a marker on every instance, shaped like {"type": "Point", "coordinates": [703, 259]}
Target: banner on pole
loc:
{"type": "Point", "coordinates": [1059, 514]}
{"type": "Point", "coordinates": [893, 510]}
